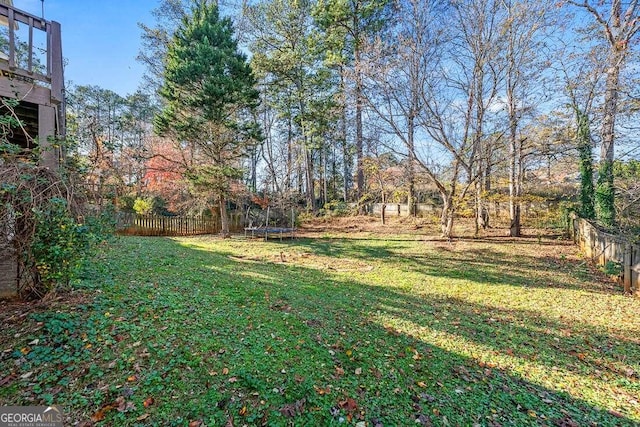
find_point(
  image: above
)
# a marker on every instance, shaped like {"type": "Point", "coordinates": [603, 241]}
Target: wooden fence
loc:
{"type": "Point", "coordinates": [159, 225]}
{"type": "Point", "coordinates": [604, 247]}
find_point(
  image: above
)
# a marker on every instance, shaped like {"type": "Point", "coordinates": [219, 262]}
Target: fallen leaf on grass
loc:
{"type": "Point", "coordinates": [8, 379]}
{"type": "Point", "coordinates": [290, 410]}
{"type": "Point", "coordinates": [423, 420]}
{"type": "Point", "coordinates": [122, 405]}
{"type": "Point", "coordinates": [348, 405]}
{"type": "Point", "coordinates": [358, 371]}
{"type": "Point", "coordinates": [197, 423]}
{"type": "Point", "coordinates": [148, 402]}
{"type": "Point", "coordinates": [101, 413]}
{"type": "Point", "coordinates": [243, 411]}
{"type": "Point", "coordinates": [143, 417]}
{"type": "Point", "coordinates": [322, 391]}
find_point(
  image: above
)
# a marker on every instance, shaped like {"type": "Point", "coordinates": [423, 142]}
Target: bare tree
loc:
{"type": "Point", "coordinates": [524, 23]}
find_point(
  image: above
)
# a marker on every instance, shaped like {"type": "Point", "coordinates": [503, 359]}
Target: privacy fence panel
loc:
{"type": "Point", "coordinates": [603, 247]}
{"type": "Point", "coordinates": [159, 225]}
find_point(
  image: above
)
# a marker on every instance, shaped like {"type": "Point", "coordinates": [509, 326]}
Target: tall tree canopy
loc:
{"type": "Point", "coordinates": [209, 91]}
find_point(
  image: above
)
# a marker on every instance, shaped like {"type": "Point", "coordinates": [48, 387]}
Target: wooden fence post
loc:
{"type": "Point", "coordinates": [626, 268]}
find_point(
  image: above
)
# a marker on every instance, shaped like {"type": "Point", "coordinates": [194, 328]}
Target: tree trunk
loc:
{"type": "Point", "coordinates": [605, 192]}
{"type": "Point", "coordinates": [310, 193]}
{"type": "Point", "coordinates": [287, 183]}
{"type": "Point", "coordinates": [410, 166]}
{"type": "Point", "coordinates": [224, 219]}
{"type": "Point", "coordinates": [515, 227]}
{"type": "Point", "coordinates": [514, 168]}
{"type": "Point", "coordinates": [359, 133]}
{"type": "Point", "coordinates": [345, 146]}
{"type": "Point", "coordinates": [446, 218]}
{"type": "Point", "coordinates": [482, 214]}
{"type": "Point", "coordinates": [325, 186]}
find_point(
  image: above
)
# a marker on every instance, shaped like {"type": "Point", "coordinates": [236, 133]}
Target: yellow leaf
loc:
{"type": "Point", "coordinates": [421, 384]}
{"type": "Point", "coordinates": [349, 353]}
{"type": "Point", "coordinates": [243, 411]}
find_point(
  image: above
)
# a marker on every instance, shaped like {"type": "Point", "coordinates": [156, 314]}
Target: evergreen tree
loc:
{"type": "Point", "coordinates": [347, 25]}
{"type": "Point", "coordinates": [209, 90]}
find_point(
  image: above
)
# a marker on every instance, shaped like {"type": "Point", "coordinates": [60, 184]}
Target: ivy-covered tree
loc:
{"type": "Point", "coordinates": [619, 23]}
{"type": "Point", "coordinates": [209, 91]}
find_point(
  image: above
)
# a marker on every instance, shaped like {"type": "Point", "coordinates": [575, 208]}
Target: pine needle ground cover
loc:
{"type": "Point", "coordinates": [344, 329]}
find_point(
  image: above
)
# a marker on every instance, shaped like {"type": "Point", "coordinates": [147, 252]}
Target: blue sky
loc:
{"type": "Point", "coordinates": [100, 39]}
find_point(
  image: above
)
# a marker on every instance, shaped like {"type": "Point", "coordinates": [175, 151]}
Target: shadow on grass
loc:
{"type": "Point", "coordinates": [479, 265]}
{"type": "Point", "coordinates": [298, 343]}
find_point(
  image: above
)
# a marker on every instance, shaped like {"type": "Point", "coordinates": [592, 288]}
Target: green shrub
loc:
{"type": "Point", "coordinates": [143, 206]}
{"type": "Point", "coordinates": [60, 243]}
{"type": "Point", "coordinates": [336, 208]}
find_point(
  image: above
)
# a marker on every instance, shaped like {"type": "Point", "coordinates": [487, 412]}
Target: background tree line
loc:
{"type": "Point", "coordinates": [314, 104]}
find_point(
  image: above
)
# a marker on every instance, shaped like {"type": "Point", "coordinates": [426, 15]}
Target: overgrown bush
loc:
{"type": "Point", "coordinates": [45, 225]}
{"type": "Point", "coordinates": [336, 208]}
{"type": "Point", "coordinates": [60, 242]}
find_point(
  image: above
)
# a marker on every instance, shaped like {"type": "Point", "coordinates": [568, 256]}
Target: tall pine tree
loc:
{"type": "Point", "coordinates": [209, 90]}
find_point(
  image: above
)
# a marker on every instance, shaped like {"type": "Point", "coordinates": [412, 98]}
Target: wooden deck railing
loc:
{"type": "Point", "coordinates": [50, 73]}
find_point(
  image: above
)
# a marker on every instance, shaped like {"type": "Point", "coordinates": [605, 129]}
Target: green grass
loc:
{"type": "Point", "coordinates": [332, 331]}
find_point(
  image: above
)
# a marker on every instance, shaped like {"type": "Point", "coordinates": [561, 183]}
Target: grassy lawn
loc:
{"type": "Point", "coordinates": [342, 329]}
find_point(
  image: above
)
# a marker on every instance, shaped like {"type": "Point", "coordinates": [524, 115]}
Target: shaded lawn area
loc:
{"type": "Point", "coordinates": [338, 330]}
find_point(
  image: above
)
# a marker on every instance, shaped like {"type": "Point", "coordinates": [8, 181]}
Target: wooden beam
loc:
{"type": "Point", "coordinates": [25, 91]}
{"type": "Point", "coordinates": [56, 73]}
{"type": "Point", "coordinates": [50, 155]}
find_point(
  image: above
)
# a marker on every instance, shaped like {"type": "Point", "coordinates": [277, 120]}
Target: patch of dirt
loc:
{"type": "Point", "coordinates": [14, 311]}
{"type": "Point", "coordinates": [428, 228]}
{"type": "Point", "coordinates": [370, 224]}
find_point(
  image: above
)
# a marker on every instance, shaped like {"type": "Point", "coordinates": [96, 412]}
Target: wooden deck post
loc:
{"type": "Point", "coordinates": [46, 130]}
